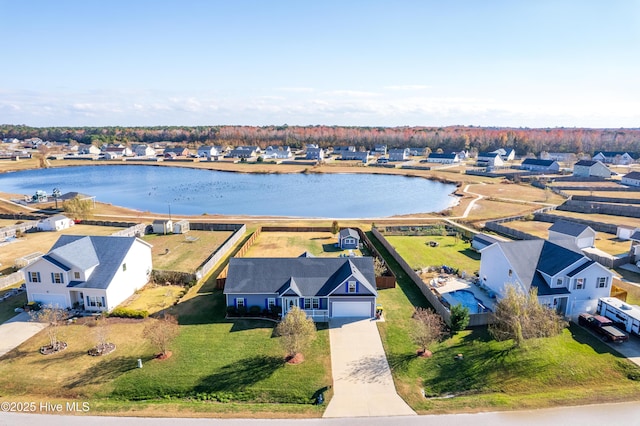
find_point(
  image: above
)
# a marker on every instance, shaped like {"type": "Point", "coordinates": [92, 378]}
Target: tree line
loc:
{"type": "Point", "coordinates": [450, 138]}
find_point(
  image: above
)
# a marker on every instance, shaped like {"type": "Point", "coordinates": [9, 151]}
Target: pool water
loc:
{"type": "Point", "coordinates": [465, 298]}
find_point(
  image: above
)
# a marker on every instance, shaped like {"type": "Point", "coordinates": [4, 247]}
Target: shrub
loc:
{"type": "Point", "coordinates": [255, 310]}
{"type": "Point", "coordinates": [242, 310]}
{"type": "Point", "coordinates": [231, 310]}
{"type": "Point", "coordinates": [128, 313]}
{"type": "Point", "coordinates": [459, 318]}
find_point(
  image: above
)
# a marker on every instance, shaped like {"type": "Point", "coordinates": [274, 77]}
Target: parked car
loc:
{"type": "Point", "coordinates": [603, 326]}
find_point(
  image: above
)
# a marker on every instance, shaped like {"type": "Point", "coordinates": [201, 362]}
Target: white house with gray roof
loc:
{"type": "Point", "coordinates": [591, 168]}
{"type": "Point", "coordinates": [565, 279]}
{"type": "Point", "coordinates": [90, 272]}
{"type": "Point", "coordinates": [323, 287]}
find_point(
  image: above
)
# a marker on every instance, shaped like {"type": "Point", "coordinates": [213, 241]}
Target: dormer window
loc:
{"type": "Point", "coordinates": [76, 275]}
{"type": "Point", "coordinates": [559, 282]}
{"type": "Point", "coordinates": [351, 287]}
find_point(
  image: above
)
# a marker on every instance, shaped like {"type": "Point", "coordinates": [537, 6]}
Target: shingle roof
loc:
{"type": "Point", "coordinates": [586, 163]}
{"type": "Point", "coordinates": [569, 228]}
{"type": "Point", "coordinates": [348, 232]}
{"type": "Point", "coordinates": [632, 175]}
{"type": "Point", "coordinates": [306, 276]}
{"type": "Point", "coordinates": [485, 239]}
{"type": "Point", "coordinates": [442, 155]}
{"type": "Point", "coordinates": [537, 162]}
{"type": "Point", "coordinates": [580, 268]}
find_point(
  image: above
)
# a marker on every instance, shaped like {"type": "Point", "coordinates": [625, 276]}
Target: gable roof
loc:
{"type": "Point", "coordinates": [443, 155]}
{"type": "Point", "coordinates": [587, 163]}
{"type": "Point", "coordinates": [569, 228]}
{"type": "Point", "coordinates": [305, 276]}
{"type": "Point", "coordinates": [613, 154]}
{"type": "Point", "coordinates": [632, 175]}
{"type": "Point", "coordinates": [349, 232]}
{"type": "Point", "coordinates": [537, 162]}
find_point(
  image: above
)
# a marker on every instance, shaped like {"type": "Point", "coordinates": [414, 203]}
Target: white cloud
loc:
{"type": "Point", "coordinates": [408, 87]}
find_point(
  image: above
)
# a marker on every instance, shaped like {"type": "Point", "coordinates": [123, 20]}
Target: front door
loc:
{"type": "Point", "coordinates": [288, 303]}
{"type": "Point", "coordinates": [560, 305]}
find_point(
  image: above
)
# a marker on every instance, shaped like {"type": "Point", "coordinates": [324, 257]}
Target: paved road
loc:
{"type": "Point", "coordinates": [362, 381]}
{"type": "Point", "coordinates": [17, 330]}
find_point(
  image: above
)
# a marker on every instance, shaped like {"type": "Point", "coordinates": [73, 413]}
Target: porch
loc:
{"type": "Point", "coordinates": [317, 315]}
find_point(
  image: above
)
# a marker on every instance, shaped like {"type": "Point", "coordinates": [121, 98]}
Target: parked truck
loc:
{"type": "Point", "coordinates": [603, 326]}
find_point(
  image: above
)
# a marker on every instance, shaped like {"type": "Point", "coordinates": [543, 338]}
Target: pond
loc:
{"type": "Point", "coordinates": [195, 191]}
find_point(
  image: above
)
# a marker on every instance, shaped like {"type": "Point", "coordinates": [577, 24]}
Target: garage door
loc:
{"type": "Point", "coordinates": [50, 299]}
{"type": "Point", "coordinates": [351, 309]}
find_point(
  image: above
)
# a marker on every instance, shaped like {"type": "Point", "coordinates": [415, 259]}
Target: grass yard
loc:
{"type": "Point", "coordinates": [616, 220]}
{"type": "Point", "coordinates": [488, 209]}
{"type": "Point", "coordinates": [520, 192]}
{"type": "Point", "coordinates": [418, 254]}
{"type": "Point", "coordinates": [7, 308]}
{"type": "Point", "coordinates": [184, 255]}
{"type": "Point", "coordinates": [43, 241]}
{"type": "Point", "coordinates": [153, 298]}
{"type": "Point", "coordinates": [571, 369]}
{"type": "Point", "coordinates": [293, 244]}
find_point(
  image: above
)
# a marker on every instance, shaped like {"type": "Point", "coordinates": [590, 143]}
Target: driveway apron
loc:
{"type": "Point", "coordinates": [17, 330]}
{"type": "Point", "coordinates": [362, 381]}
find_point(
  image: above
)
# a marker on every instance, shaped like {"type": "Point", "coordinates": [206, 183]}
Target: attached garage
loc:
{"type": "Point", "coordinates": [58, 300]}
{"type": "Point", "coordinates": [351, 309]}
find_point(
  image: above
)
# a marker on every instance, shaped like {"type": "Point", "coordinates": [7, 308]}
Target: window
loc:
{"type": "Point", "coordinates": [95, 301]}
{"type": "Point", "coordinates": [312, 303]}
{"type": "Point", "coordinates": [579, 283]}
{"type": "Point", "coordinates": [240, 302]}
{"type": "Point", "coordinates": [510, 272]}
{"type": "Point", "coordinates": [57, 278]}
{"type": "Point", "coordinates": [351, 287]}
{"type": "Point", "coordinates": [602, 282]}
{"type": "Point", "coordinates": [124, 267]}
{"type": "Point", "coordinates": [559, 282]}
{"type": "Point", "coordinates": [34, 277]}
{"type": "Point", "coordinates": [76, 275]}
{"type": "Point", "coordinates": [271, 303]}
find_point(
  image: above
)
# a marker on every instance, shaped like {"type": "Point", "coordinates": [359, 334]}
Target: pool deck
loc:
{"type": "Point", "coordinates": [454, 284]}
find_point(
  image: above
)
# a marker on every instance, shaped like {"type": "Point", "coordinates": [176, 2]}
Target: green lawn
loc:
{"type": "Point", "coordinates": [571, 369]}
{"type": "Point", "coordinates": [7, 308]}
{"type": "Point", "coordinates": [418, 254]}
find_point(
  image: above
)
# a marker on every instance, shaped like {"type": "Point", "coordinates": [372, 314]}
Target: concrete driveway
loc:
{"type": "Point", "coordinates": [362, 382]}
{"type": "Point", "coordinates": [17, 330]}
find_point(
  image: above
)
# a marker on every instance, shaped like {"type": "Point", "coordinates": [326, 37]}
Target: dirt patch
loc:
{"type": "Point", "coordinates": [165, 355]}
{"type": "Point", "coordinates": [296, 359]}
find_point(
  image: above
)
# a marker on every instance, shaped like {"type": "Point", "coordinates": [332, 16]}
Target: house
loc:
{"type": "Point", "coordinates": [170, 155]}
{"type": "Point", "coordinates": [563, 157]}
{"type": "Point", "coordinates": [355, 155]}
{"type": "Point", "coordinates": [634, 251]}
{"type": "Point", "coordinates": [576, 233]}
{"type": "Point", "coordinates": [379, 149]}
{"type": "Point", "coordinates": [632, 179]}
{"type": "Point", "coordinates": [535, 165]}
{"type": "Point", "coordinates": [340, 149]}
{"type": "Point", "coordinates": [244, 152]}
{"type": "Point", "coordinates": [462, 155]}
{"type": "Point", "coordinates": [489, 159]}
{"type": "Point", "coordinates": [443, 158]}
{"type": "Point", "coordinates": [179, 151]}
{"type": "Point", "coordinates": [314, 153]}
{"type": "Point", "coordinates": [114, 152]}
{"type": "Point", "coordinates": [418, 151]}
{"type": "Point", "coordinates": [143, 150]}
{"type": "Point", "coordinates": [96, 273]}
{"type": "Point", "coordinates": [565, 279]}
{"type": "Point", "coordinates": [398, 154]}
{"type": "Point", "coordinates": [614, 157]}
{"type": "Point", "coordinates": [482, 240]}
{"type": "Point", "coordinates": [278, 152]}
{"type": "Point", "coordinates": [324, 287]}
{"type": "Point", "coordinates": [591, 168]}
{"type": "Point", "coordinates": [506, 154]}
{"type": "Point", "coordinates": [209, 151]}
{"type": "Point", "coordinates": [84, 149]}
{"type": "Point", "coordinates": [162, 226]}
{"type": "Point", "coordinates": [180, 226]}
{"type": "Point", "coordinates": [55, 223]}
{"type": "Point", "coordinates": [348, 239]}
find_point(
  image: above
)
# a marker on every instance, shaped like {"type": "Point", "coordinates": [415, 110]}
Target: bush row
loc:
{"type": "Point", "coordinates": [128, 313]}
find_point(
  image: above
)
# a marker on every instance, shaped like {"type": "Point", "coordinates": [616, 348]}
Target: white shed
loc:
{"type": "Point", "coordinates": [181, 227]}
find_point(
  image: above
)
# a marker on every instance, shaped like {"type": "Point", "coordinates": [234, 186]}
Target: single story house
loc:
{"type": "Point", "coordinates": [482, 240]}
{"type": "Point", "coordinates": [88, 149]}
{"type": "Point", "coordinates": [417, 151]}
{"type": "Point", "coordinates": [489, 159]}
{"type": "Point", "coordinates": [614, 157]}
{"type": "Point", "coordinates": [535, 165]}
{"type": "Point", "coordinates": [348, 239]}
{"type": "Point", "coordinates": [398, 154]}
{"type": "Point", "coordinates": [179, 151]}
{"type": "Point", "coordinates": [632, 179]}
{"type": "Point", "coordinates": [180, 226]}
{"type": "Point", "coordinates": [162, 226]}
{"type": "Point", "coordinates": [558, 156]}
{"type": "Point", "coordinates": [324, 287]}
{"type": "Point", "coordinates": [443, 158]}
{"type": "Point", "coordinates": [94, 273]}
{"type": "Point", "coordinates": [591, 168]}
{"type": "Point", "coordinates": [577, 233]}
{"type": "Point", "coordinates": [343, 148]}
{"type": "Point", "coordinates": [314, 152]}
{"type": "Point", "coordinates": [244, 152]}
{"type": "Point", "coordinates": [565, 279]}
{"type": "Point", "coordinates": [55, 223]}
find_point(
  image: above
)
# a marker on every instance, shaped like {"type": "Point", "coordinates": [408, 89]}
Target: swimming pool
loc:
{"type": "Point", "coordinates": [465, 298]}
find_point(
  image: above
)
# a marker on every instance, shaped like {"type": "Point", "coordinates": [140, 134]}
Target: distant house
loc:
{"type": "Point", "coordinates": [84, 149]}
{"type": "Point", "coordinates": [506, 154]}
{"type": "Point", "coordinates": [462, 155]}
{"type": "Point", "coordinates": [93, 273]}
{"type": "Point", "coordinates": [314, 153]}
{"type": "Point", "coordinates": [624, 232]}
{"type": "Point", "coordinates": [348, 239]}
{"type": "Point", "coordinates": [55, 223]}
{"type": "Point", "coordinates": [417, 151]}
{"type": "Point", "coordinates": [564, 157]}
{"type": "Point", "coordinates": [162, 226]}
{"type": "Point", "coordinates": [483, 240]}
{"type": "Point", "coordinates": [244, 152]}
{"type": "Point", "coordinates": [278, 152]}
{"type": "Point", "coordinates": [565, 279]}
{"type": "Point", "coordinates": [143, 150]}
{"type": "Point", "coordinates": [114, 152]}
{"type": "Point", "coordinates": [576, 233]}
{"type": "Point", "coordinates": [632, 179]}
{"type": "Point", "coordinates": [180, 226]}
{"type": "Point", "coordinates": [398, 154]}
{"type": "Point", "coordinates": [489, 159]}
{"type": "Point", "coordinates": [591, 168]}
{"type": "Point", "coordinates": [340, 149]}
{"type": "Point", "coordinates": [209, 151]}
{"type": "Point", "coordinates": [355, 155]}
{"type": "Point", "coordinates": [614, 157]}
{"type": "Point", "coordinates": [323, 287]}
{"type": "Point", "coordinates": [179, 151]}
{"type": "Point", "coordinates": [535, 165]}
{"type": "Point", "coordinates": [379, 150]}
{"type": "Point", "coordinates": [443, 158]}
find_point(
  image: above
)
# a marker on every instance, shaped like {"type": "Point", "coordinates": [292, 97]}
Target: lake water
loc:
{"type": "Point", "coordinates": [195, 191]}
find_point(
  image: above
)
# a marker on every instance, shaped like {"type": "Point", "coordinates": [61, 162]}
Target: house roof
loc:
{"type": "Point", "coordinates": [106, 253]}
{"type": "Point", "coordinates": [349, 232]}
{"type": "Point", "coordinates": [488, 154]}
{"type": "Point", "coordinates": [485, 239]}
{"type": "Point", "coordinates": [612, 154]}
{"type": "Point", "coordinates": [569, 228]}
{"type": "Point", "coordinates": [537, 162]}
{"type": "Point", "coordinates": [632, 175]}
{"type": "Point", "coordinates": [304, 276]}
{"type": "Point", "coordinates": [442, 155]}
{"type": "Point", "coordinates": [587, 163]}
{"type": "Point", "coordinates": [635, 236]}
{"type": "Point", "coordinates": [306, 254]}
{"type": "Point", "coordinates": [161, 221]}
{"type": "Point", "coordinates": [57, 217]}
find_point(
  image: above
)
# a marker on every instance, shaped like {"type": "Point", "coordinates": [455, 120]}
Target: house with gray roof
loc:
{"type": "Point", "coordinates": [398, 154]}
{"type": "Point", "coordinates": [632, 179]}
{"type": "Point", "coordinates": [536, 165]}
{"type": "Point", "coordinates": [576, 233]}
{"type": "Point", "coordinates": [591, 168]}
{"type": "Point", "coordinates": [615, 157]}
{"type": "Point", "coordinates": [94, 273]}
{"type": "Point", "coordinates": [314, 152]}
{"type": "Point", "coordinates": [489, 159]}
{"type": "Point", "coordinates": [348, 239]}
{"type": "Point", "coordinates": [565, 279]}
{"type": "Point", "coordinates": [323, 287]}
{"type": "Point", "coordinates": [483, 240]}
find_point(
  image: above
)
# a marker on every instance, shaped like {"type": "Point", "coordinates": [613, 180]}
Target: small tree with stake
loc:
{"type": "Point", "coordinates": [161, 333]}
{"type": "Point", "coordinates": [53, 316]}
{"type": "Point", "coordinates": [427, 329]}
{"type": "Point", "coordinates": [296, 332]}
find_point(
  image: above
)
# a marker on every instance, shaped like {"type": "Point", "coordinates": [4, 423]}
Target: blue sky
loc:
{"type": "Point", "coordinates": [534, 63]}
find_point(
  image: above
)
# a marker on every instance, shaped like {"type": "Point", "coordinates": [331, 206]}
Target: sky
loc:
{"type": "Point", "coordinates": [529, 63]}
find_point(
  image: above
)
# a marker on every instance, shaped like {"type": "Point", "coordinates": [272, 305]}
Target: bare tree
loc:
{"type": "Point", "coordinates": [296, 331]}
{"type": "Point", "coordinates": [379, 267]}
{"type": "Point", "coordinates": [427, 329]}
{"type": "Point", "coordinates": [520, 316]}
{"type": "Point", "coordinates": [161, 332]}
{"type": "Point", "coordinates": [54, 316]}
